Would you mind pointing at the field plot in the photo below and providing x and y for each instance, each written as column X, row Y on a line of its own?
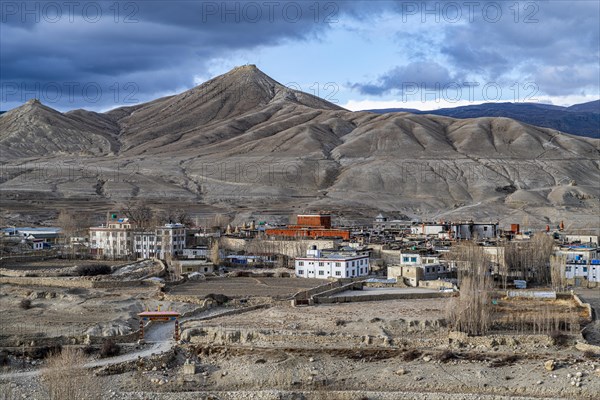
column 539, row 316
column 359, row 317
column 54, row 264
column 247, row 287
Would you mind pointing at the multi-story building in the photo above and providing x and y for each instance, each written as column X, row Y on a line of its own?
column 582, row 263
column 333, row 265
column 165, row 241
column 113, row 240
column 415, row 267
column 120, row 239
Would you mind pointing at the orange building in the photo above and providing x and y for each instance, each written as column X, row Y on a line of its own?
column 311, row 226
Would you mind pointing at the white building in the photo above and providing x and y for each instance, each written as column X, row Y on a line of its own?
column 582, row 262
column 115, row 240
column 428, row 229
column 320, row 266
column 166, row 240
column 196, row 252
column 457, row 230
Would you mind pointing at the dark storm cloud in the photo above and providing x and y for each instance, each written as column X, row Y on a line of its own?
column 158, row 46
column 554, row 44
column 136, row 50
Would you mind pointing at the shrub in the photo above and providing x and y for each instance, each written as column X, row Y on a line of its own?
column 590, row 355
column 92, row 270
column 88, row 349
column 219, row 298
column 446, row 356
column 504, row 361
column 411, row 355
column 25, row 304
column 109, row 349
column 559, row 338
column 44, row 351
column 340, row 322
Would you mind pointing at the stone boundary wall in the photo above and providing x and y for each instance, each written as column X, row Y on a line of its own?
column 339, row 289
column 492, row 340
column 234, row 311
column 74, row 282
column 380, row 297
column 590, row 312
column 252, row 336
column 584, row 347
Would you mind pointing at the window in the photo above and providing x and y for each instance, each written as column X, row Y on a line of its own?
column 338, row 273
column 584, row 269
column 321, row 264
column 300, row 272
column 337, row 264
column 321, row 272
column 300, row 263
column 353, row 263
column 404, row 259
column 413, row 259
column 485, row 228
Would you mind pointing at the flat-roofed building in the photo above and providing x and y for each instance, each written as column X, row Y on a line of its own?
column 333, row 265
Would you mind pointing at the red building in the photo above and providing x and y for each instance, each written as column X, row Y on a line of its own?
column 311, row 226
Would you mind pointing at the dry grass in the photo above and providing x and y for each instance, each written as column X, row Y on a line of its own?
column 66, row 378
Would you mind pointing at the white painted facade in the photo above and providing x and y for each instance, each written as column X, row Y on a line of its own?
column 112, row 241
column 166, row 240
column 427, row 229
column 581, row 262
column 316, row 265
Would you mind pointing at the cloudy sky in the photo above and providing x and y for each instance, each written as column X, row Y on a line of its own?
column 359, row 54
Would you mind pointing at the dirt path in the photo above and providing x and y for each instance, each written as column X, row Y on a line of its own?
column 159, row 336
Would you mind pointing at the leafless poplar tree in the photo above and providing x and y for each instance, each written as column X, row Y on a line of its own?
column 471, row 311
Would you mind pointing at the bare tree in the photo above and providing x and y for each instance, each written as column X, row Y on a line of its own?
column 215, row 257
column 471, row 311
column 219, row 220
column 66, row 377
column 72, row 225
column 179, row 216
column 558, row 265
column 140, row 214
column 531, row 259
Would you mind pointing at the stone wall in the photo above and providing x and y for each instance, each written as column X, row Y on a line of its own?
column 460, row 339
column 380, row 297
column 290, row 248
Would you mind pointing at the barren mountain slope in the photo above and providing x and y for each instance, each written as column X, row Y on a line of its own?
column 242, row 141
column 36, row 130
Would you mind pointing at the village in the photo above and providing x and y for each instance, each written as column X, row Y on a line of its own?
column 223, row 309
column 395, row 249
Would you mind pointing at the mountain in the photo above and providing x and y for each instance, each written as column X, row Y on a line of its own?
column 34, row 129
column 591, row 106
column 580, row 119
column 246, row 144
